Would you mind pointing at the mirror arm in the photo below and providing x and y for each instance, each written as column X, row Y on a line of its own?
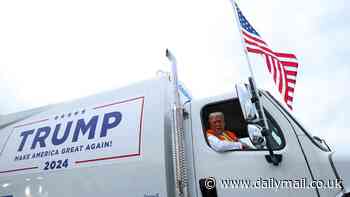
column 273, row 158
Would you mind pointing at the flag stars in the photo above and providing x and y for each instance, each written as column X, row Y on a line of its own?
column 244, row 23
column 70, row 114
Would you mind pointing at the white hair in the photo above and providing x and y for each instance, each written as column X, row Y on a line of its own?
column 214, row 114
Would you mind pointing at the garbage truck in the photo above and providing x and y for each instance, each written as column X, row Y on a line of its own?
column 149, row 139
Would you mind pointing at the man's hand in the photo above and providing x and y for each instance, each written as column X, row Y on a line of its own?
column 245, row 146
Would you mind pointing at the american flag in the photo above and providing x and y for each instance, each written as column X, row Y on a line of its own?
column 282, row 66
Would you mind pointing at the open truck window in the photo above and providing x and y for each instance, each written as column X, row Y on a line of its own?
column 234, row 122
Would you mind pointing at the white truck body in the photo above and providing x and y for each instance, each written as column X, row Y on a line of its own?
column 120, row 143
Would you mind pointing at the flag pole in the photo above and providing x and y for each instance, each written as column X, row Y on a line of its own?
column 252, row 77
column 271, row 158
column 233, row 2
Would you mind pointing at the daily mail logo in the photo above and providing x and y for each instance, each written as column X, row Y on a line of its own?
column 87, row 137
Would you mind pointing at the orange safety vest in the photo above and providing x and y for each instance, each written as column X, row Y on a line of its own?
column 226, row 135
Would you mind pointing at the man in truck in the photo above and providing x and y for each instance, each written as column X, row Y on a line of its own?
column 220, row 139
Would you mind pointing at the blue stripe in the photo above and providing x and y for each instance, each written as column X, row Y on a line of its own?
column 183, row 91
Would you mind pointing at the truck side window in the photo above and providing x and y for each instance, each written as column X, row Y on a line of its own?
column 225, row 129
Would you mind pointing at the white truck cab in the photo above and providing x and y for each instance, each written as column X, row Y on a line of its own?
column 124, row 143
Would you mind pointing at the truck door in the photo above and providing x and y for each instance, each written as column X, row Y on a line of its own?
column 247, row 172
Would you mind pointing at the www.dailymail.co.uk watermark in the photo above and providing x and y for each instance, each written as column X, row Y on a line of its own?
column 272, row 183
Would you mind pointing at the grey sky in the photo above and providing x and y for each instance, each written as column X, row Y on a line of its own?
column 56, row 51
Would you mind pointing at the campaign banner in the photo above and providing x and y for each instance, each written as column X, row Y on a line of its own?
column 95, row 135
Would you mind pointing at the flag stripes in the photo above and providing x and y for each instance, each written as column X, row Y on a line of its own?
column 283, row 67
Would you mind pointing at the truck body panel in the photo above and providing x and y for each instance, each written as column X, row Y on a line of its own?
column 111, row 142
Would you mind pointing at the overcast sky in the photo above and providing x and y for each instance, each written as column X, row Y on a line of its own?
column 53, row 51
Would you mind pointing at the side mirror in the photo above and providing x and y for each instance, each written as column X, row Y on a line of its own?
column 245, row 99
column 256, row 136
